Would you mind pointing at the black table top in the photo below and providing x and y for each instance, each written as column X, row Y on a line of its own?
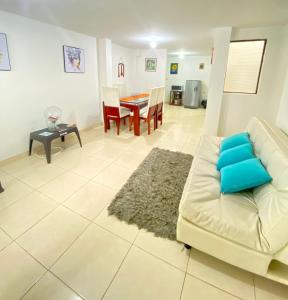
column 62, row 129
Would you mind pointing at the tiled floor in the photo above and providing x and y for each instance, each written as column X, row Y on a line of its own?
column 58, row 242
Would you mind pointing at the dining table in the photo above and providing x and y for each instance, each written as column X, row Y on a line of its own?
column 135, row 103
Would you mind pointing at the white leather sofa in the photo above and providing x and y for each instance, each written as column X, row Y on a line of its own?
column 247, row 229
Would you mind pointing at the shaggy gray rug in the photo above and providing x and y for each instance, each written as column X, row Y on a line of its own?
column 151, row 196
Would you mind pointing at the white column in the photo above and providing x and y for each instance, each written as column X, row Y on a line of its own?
column 217, row 77
column 105, row 62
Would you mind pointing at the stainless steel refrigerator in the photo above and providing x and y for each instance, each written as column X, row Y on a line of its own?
column 192, row 93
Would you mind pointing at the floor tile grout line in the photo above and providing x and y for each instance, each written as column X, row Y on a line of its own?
column 111, row 232
column 68, row 286
column 36, row 223
column 116, row 273
column 59, row 204
column 71, row 244
column 49, row 268
column 215, row 286
column 159, row 258
column 255, row 297
column 34, row 284
column 185, row 274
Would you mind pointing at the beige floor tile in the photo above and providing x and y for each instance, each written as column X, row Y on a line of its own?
column 111, row 150
column 130, row 159
column 48, row 239
column 120, row 228
column 50, row 288
column 143, row 276
column 69, row 158
column 18, row 272
column 23, row 214
column 90, row 166
column 227, row 277
column 197, row 289
column 266, row 289
column 90, row 200
column 5, row 240
column 39, row 175
column 21, row 165
column 92, row 261
column 113, row 176
column 170, row 251
column 89, row 148
column 14, row 190
column 63, row 186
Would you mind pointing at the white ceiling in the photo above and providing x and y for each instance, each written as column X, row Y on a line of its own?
column 175, row 24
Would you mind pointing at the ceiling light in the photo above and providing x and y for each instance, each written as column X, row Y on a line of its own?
column 181, row 55
column 153, row 45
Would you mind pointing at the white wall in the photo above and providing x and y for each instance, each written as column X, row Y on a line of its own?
column 136, row 78
column 282, row 116
column 37, row 80
column 128, row 57
column 188, row 68
column 147, row 80
column 237, row 109
column 221, row 41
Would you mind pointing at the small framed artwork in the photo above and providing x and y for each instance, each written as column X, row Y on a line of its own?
column 201, row 66
column 74, row 60
column 4, row 54
column 150, row 64
column 174, row 68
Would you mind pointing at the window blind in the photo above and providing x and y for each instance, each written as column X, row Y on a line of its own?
column 244, row 66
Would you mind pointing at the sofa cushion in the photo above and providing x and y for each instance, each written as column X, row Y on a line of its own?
column 235, row 155
column 234, row 141
column 234, row 217
column 271, row 146
column 243, row 175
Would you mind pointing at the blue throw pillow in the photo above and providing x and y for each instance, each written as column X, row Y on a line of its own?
column 243, row 175
column 235, row 155
column 234, row 140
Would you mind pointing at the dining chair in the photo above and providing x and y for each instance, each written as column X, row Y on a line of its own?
column 112, row 109
column 160, row 101
column 149, row 112
column 122, row 89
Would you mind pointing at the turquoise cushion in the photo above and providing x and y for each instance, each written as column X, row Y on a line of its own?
column 234, row 140
column 235, row 155
column 243, row 175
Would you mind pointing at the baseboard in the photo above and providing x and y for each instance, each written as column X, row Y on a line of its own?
column 25, row 154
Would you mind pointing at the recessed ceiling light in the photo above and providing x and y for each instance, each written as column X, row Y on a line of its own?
column 153, row 44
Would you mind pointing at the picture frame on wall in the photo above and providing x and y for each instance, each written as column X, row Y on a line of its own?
column 74, row 59
column 150, row 64
column 174, row 68
column 4, row 54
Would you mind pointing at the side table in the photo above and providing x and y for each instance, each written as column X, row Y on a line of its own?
column 46, row 136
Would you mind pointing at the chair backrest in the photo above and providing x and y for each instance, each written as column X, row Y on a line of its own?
column 153, row 97
column 161, row 94
column 111, row 96
column 122, row 89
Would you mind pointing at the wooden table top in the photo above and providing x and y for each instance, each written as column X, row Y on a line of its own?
column 134, row 98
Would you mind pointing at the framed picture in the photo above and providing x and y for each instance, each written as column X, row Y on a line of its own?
column 4, row 54
column 74, row 60
column 150, row 64
column 174, row 68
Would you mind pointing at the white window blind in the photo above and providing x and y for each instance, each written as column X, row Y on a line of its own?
column 244, row 66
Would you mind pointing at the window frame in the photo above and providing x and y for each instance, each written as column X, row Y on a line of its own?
column 260, row 68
